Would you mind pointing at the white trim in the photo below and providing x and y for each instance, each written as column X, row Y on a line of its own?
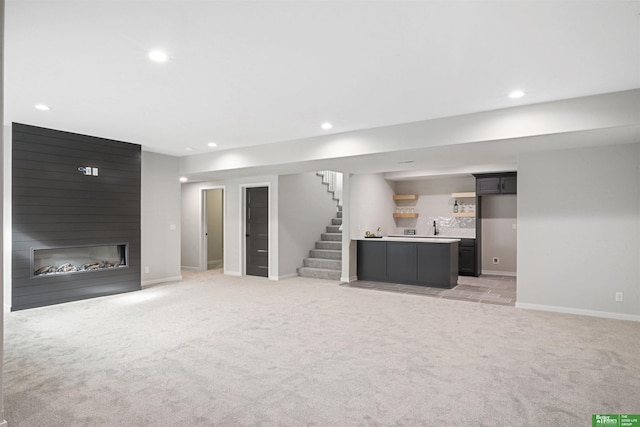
column 287, row 276
column 231, row 273
column 348, row 279
column 500, row 273
column 579, row 311
column 188, row 268
column 163, row 280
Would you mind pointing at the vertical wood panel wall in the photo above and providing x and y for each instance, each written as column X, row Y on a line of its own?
column 55, row 205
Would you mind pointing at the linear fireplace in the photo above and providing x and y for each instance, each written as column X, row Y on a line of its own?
column 67, row 260
column 75, row 235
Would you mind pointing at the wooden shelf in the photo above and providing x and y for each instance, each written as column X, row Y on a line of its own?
column 405, row 215
column 463, row 195
column 405, row 197
column 464, row 214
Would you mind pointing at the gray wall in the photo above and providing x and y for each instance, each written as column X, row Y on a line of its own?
column 579, row 230
column 499, row 234
column 371, row 204
column 160, row 218
column 192, row 223
column 191, row 226
column 306, row 208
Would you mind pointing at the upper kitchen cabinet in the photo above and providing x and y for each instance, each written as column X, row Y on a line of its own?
column 496, row 183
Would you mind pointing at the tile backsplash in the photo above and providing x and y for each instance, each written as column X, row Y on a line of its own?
column 447, row 227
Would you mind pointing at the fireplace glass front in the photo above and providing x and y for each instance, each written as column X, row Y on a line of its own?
column 78, row 259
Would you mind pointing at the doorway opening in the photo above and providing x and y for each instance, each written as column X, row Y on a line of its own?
column 213, row 244
column 499, row 235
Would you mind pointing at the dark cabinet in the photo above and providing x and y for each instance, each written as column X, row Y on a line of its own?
column 432, row 263
column 419, row 263
column 401, row 262
column 372, row 260
column 467, row 258
column 506, row 183
column 509, row 185
column 488, row 185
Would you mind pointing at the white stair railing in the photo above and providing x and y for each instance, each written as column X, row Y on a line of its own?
column 333, row 181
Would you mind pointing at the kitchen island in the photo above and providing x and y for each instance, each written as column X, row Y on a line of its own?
column 409, row 260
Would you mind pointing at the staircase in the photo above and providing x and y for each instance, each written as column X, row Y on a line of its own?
column 325, row 261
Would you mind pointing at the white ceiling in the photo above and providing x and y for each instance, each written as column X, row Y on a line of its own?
column 245, row 73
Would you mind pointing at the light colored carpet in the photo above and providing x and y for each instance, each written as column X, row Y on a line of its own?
column 214, row 350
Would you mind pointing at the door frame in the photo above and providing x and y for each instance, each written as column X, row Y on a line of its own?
column 203, row 226
column 243, row 226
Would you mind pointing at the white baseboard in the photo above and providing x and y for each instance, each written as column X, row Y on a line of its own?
column 348, row 279
column 579, row 311
column 187, row 268
column 146, row 283
column 500, row 273
column 231, row 273
column 287, row 276
column 213, row 264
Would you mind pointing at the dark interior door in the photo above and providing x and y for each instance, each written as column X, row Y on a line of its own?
column 257, row 231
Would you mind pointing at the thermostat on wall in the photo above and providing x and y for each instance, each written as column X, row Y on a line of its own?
column 88, row 170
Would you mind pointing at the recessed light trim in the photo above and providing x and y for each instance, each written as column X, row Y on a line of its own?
column 212, row 144
column 326, row 126
column 158, row 55
column 42, row 107
column 184, row 179
column 189, row 149
column 515, row 94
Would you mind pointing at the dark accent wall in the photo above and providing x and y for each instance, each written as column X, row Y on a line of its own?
column 55, row 205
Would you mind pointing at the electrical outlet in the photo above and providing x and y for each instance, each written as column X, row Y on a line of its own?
column 496, row 260
column 146, row 269
column 619, row 296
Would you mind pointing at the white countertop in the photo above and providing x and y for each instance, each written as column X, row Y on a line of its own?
column 430, row 236
column 417, row 239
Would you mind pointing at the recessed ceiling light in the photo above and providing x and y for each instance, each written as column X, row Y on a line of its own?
column 326, row 126
column 183, row 179
column 516, row 94
column 158, row 56
column 212, row 144
column 42, row 107
column 189, row 149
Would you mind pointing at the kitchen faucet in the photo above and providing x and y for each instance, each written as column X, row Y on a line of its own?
column 435, row 229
